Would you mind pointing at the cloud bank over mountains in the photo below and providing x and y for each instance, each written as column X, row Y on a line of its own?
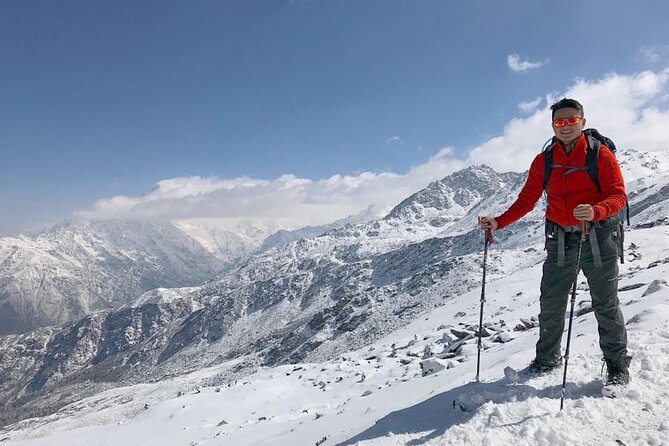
column 631, row 109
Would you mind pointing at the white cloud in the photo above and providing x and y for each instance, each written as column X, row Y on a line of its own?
column 628, row 109
column 653, row 54
column 393, row 140
column 649, row 54
column 293, row 201
column 631, row 109
column 514, row 62
column 530, row 106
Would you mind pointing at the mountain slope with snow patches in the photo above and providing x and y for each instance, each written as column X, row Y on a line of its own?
column 306, row 300
column 380, row 394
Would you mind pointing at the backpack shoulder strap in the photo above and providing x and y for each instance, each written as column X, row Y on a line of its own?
column 591, row 159
column 548, row 161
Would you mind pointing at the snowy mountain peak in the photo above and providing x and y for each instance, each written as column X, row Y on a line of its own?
column 447, row 200
column 636, row 164
column 476, row 177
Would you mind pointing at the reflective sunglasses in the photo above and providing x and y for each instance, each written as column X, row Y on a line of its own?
column 572, row 120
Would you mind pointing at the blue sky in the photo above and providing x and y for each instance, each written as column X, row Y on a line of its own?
column 108, row 99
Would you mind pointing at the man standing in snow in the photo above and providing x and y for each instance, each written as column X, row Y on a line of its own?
column 572, row 198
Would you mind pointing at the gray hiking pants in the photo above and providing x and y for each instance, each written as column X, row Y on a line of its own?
column 556, row 284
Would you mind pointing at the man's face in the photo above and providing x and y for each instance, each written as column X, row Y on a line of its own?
column 568, row 133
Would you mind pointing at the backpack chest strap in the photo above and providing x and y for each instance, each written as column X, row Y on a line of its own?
column 590, row 164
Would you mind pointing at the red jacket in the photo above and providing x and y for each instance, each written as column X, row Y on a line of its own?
column 565, row 192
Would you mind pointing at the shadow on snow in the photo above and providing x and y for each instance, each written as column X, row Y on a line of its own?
column 436, row 415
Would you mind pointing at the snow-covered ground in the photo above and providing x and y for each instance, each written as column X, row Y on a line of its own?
column 379, row 396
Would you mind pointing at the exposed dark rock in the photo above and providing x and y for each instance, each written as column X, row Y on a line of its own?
column 631, row 287
column 655, row 286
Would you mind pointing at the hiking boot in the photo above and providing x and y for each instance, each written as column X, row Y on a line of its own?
column 617, row 379
column 534, row 369
column 618, row 373
column 537, row 367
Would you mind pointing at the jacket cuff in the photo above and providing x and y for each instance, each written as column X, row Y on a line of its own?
column 599, row 212
column 501, row 222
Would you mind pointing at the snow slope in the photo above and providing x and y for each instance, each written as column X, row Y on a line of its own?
column 378, row 395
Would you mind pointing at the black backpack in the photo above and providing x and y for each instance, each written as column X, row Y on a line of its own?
column 594, row 139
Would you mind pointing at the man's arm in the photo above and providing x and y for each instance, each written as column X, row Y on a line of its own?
column 527, row 198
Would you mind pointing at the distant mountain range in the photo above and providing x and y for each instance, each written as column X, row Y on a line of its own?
column 73, row 269
column 76, row 268
column 305, row 300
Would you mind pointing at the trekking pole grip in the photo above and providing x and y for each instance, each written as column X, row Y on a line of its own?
column 488, row 237
column 583, row 225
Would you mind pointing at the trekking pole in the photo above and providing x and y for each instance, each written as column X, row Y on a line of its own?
column 584, row 230
column 488, row 240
